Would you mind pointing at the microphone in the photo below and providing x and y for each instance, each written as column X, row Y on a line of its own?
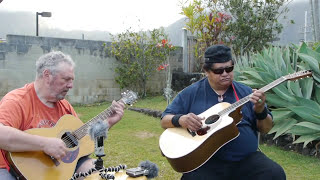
column 98, row 132
column 145, row 168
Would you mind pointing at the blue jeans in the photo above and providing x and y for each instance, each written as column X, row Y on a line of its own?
column 5, row 175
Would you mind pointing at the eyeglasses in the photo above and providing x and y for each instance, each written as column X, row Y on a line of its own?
column 221, row 70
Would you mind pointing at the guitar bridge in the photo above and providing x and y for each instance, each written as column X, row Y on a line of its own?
column 55, row 161
column 191, row 133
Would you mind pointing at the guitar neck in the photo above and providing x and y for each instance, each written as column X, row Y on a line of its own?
column 244, row 100
column 83, row 130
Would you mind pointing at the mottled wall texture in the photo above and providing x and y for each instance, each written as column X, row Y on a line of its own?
column 94, row 68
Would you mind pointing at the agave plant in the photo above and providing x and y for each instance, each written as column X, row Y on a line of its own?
column 295, row 105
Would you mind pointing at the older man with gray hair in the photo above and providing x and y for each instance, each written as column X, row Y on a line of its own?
column 41, row 104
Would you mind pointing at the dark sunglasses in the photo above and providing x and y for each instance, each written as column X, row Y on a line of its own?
column 221, row 70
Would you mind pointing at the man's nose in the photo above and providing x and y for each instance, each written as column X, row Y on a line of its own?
column 70, row 85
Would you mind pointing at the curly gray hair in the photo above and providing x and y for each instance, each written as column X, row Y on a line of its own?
column 51, row 61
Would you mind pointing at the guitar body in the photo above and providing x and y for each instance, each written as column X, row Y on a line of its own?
column 38, row 165
column 186, row 153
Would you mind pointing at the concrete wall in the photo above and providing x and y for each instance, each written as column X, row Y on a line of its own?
column 94, row 68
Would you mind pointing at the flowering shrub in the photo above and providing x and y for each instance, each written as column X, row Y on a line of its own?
column 166, row 48
column 138, row 54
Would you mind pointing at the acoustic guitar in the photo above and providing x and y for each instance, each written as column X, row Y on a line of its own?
column 187, row 151
column 37, row 165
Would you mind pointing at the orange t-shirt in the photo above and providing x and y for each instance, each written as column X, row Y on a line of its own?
column 22, row 109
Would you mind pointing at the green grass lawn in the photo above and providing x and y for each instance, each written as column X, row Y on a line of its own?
column 135, row 138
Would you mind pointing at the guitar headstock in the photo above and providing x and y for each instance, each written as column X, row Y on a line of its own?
column 129, row 97
column 298, row 75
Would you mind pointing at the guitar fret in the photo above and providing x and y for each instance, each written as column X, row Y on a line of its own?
column 247, row 98
column 83, row 130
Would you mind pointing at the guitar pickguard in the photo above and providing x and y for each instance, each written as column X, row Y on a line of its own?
column 71, row 156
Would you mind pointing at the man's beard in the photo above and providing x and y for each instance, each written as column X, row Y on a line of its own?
column 60, row 96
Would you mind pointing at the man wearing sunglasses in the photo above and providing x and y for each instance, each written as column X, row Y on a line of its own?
column 238, row 159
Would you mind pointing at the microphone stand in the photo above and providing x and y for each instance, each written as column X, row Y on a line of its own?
column 99, row 152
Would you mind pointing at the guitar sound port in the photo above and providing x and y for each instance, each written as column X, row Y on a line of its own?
column 212, row 119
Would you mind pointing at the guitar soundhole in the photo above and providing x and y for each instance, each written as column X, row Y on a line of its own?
column 69, row 140
column 212, row 119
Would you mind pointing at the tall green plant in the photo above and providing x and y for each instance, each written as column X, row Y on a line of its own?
column 295, row 105
column 138, row 57
column 207, row 25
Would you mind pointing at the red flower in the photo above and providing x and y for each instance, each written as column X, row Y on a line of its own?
column 162, row 67
column 164, row 41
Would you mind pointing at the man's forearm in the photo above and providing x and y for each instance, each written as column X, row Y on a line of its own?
column 265, row 125
column 14, row 140
column 166, row 121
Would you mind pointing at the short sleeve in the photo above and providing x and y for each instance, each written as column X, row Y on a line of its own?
column 11, row 113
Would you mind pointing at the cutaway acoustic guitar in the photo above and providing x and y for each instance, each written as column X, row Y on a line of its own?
column 187, row 151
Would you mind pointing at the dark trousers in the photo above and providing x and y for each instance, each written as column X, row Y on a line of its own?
column 255, row 167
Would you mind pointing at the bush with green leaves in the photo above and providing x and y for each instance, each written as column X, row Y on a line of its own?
column 295, row 104
column 139, row 55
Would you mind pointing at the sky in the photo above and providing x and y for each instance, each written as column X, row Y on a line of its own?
column 114, row 16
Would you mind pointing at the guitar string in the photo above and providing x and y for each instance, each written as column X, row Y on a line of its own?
column 246, row 99
column 83, row 130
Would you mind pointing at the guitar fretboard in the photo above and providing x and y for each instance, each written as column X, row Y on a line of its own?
column 83, row 130
column 244, row 100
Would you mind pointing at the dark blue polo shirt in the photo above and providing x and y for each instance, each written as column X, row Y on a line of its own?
column 199, row 97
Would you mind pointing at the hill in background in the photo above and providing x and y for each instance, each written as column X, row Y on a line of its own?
column 23, row 23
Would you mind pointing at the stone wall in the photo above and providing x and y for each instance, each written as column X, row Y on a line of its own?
column 180, row 80
column 94, row 71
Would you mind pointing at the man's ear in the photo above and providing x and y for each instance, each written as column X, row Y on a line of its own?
column 46, row 74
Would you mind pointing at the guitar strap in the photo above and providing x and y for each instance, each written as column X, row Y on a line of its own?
column 235, row 93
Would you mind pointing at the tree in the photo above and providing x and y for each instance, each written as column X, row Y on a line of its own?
column 138, row 57
column 207, row 25
column 247, row 25
column 255, row 22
